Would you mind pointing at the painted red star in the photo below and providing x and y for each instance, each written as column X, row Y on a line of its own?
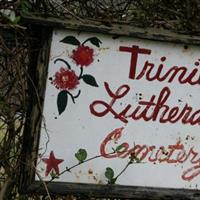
column 52, row 163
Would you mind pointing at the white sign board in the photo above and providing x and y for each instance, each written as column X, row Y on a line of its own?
column 120, row 100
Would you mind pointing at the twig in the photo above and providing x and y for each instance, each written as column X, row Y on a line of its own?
column 43, row 182
column 68, row 11
column 4, row 188
column 5, row 48
column 40, row 108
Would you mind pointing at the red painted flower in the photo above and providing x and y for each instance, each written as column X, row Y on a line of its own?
column 65, row 79
column 83, row 55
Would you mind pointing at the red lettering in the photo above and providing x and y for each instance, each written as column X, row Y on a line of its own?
column 151, row 110
column 151, row 73
column 170, row 155
column 173, row 148
column 114, row 135
column 191, row 173
column 121, row 92
column 164, row 95
column 134, row 50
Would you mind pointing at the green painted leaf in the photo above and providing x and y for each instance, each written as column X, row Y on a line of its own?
column 112, row 181
column 118, row 148
column 90, row 80
column 54, row 175
column 95, row 41
column 109, row 173
column 137, row 160
column 81, row 155
column 62, row 101
column 133, row 158
column 70, row 40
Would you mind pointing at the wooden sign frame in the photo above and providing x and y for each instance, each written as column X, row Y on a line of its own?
column 38, row 71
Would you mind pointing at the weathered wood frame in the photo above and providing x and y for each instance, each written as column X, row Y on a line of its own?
column 38, row 70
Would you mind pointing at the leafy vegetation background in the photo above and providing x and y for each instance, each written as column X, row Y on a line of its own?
column 16, row 53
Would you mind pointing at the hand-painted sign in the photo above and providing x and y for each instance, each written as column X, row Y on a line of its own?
column 121, row 109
